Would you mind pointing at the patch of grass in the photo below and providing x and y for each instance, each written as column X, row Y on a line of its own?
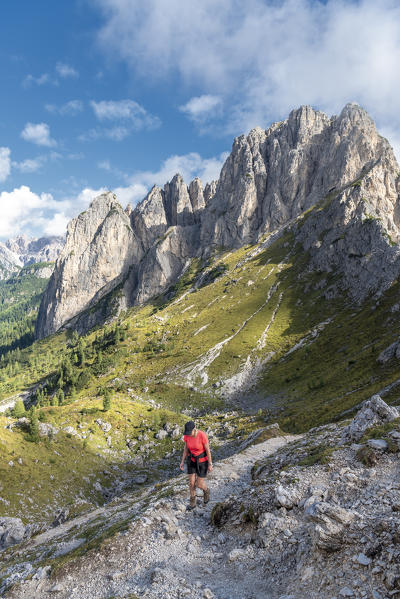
column 318, row 455
column 367, row 456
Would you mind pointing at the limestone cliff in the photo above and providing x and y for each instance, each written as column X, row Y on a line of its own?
column 339, row 169
column 96, row 256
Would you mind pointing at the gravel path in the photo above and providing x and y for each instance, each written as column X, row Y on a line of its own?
column 171, row 552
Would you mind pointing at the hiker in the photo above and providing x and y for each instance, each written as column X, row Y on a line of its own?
column 198, row 460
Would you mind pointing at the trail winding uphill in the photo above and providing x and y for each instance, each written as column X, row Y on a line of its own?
column 170, row 552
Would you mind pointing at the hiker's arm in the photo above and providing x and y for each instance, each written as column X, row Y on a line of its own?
column 185, row 452
column 208, row 452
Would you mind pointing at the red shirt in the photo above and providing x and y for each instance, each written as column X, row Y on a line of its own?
column 196, row 444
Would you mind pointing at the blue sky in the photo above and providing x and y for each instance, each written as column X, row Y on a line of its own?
column 121, row 94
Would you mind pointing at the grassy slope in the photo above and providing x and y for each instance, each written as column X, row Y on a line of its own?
column 330, row 373
column 19, row 301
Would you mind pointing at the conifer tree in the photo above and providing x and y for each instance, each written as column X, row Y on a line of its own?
column 107, row 400
column 34, row 427
column 19, row 409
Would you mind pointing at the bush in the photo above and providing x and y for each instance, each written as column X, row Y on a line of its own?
column 84, row 380
column 367, row 456
column 18, row 410
column 220, row 514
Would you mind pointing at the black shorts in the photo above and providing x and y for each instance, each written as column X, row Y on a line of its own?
column 201, row 471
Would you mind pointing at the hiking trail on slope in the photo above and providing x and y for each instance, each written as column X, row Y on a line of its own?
column 169, row 552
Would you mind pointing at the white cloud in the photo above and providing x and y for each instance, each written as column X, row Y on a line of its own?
column 65, row 70
column 125, row 110
column 41, row 80
column 202, row 108
column 22, row 210
column 5, row 163
column 71, row 108
column 57, row 225
column 29, row 165
column 265, row 57
column 33, row 165
column 38, row 134
column 113, row 133
column 105, row 165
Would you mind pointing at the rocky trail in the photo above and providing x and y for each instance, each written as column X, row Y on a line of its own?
column 168, row 551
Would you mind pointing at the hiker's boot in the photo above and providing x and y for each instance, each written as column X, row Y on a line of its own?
column 206, row 496
column 192, row 503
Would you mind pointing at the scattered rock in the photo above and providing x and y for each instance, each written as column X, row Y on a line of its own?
column 60, row 517
column 105, row 426
column 157, row 576
column 70, row 430
column 286, row 497
column 363, row 559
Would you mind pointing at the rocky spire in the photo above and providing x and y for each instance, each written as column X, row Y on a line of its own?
column 97, row 254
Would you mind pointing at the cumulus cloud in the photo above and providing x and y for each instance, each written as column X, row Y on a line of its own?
column 125, row 110
column 22, row 210
column 36, row 214
column 71, row 108
column 5, row 163
column 202, row 108
column 65, row 70
column 38, row 134
column 265, row 57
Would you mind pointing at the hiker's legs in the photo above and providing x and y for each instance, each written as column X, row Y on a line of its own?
column 192, row 485
column 201, row 483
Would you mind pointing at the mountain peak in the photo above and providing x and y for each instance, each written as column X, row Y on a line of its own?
column 269, row 179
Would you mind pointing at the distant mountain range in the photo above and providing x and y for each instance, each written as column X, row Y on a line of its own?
column 20, row 251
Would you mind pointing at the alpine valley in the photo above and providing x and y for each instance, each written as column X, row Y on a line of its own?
column 264, row 305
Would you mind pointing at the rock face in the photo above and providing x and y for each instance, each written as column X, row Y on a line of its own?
column 271, row 178
column 373, row 412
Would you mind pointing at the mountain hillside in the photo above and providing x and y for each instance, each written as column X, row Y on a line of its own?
column 263, row 306
column 115, row 259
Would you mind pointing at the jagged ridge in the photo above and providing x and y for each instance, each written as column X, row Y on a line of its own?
column 270, row 179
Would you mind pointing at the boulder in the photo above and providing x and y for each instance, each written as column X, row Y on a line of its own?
column 379, row 444
column 330, row 523
column 176, row 433
column 373, row 412
column 47, row 430
column 12, row 531
column 60, row 517
column 393, row 351
column 287, row 497
column 162, row 434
